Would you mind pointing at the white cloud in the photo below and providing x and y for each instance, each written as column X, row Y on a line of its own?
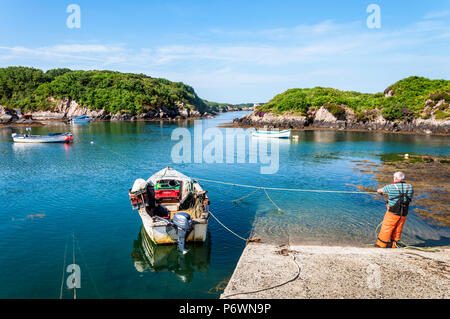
column 325, row 41
column 303, row 55
column 82, row 53
column 436, row 15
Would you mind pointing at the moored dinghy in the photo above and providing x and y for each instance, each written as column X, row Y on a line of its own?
column 272, row 134
column 81, row 120
column 173, row 207
column 50, row 138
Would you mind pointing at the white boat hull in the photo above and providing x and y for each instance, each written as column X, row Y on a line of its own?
column 42, row 139
column 157, row 231
column 272, row 134
column 80, row 121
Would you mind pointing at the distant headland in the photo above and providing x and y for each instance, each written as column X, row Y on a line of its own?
column 29, row 95
column 414, row 104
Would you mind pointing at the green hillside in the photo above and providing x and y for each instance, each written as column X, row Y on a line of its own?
column 408, row 100
column 30, row 89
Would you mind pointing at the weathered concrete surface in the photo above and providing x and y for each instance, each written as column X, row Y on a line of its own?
column 340, row 272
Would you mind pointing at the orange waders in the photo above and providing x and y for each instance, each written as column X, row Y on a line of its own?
column 391, row 230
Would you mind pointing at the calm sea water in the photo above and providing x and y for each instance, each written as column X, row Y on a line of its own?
column 64, row 202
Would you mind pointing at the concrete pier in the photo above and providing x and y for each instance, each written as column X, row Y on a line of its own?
column 339, row 272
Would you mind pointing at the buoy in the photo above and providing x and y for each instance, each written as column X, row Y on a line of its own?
column 92, row 142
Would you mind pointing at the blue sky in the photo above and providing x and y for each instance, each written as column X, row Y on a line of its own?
column 235, row 51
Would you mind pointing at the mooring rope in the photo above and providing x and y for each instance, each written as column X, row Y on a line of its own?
column 246, row 196
column 257, row 188
column 284, row 189
column 63, row 270
column 279, row 209
column 243, row 185
column 74, row 278
column 87, row 267
column 244, row 239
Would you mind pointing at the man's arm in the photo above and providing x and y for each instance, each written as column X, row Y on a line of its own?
column 380, row 190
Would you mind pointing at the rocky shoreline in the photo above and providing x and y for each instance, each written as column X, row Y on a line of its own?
column 67, row 109
column 322, row 118
column 431, row 194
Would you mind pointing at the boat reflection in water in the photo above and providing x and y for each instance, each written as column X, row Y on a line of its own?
column 160, row 258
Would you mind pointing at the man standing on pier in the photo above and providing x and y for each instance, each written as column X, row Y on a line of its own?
column 399, row 196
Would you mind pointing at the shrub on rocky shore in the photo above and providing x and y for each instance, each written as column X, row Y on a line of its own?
column 414, row 104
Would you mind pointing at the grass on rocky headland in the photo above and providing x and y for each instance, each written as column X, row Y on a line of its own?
column 31, row 89
column 413, row 97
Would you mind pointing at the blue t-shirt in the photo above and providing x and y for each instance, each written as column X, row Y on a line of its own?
column 392, row 191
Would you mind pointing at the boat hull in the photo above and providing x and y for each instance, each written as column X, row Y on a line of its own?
column 272, row 134
column 159, row 231
column 80, row 121
column 42, row 139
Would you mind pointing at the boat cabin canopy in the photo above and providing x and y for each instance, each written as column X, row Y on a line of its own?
column 169, row 183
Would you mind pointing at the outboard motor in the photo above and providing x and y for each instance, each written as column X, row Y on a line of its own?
column 183, row 222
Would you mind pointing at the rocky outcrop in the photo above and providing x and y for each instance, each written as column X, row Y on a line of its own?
column 47, row 115
column 347, row 119
column 235, row 108
column 324, row 118
column 66, row 109
column 261, row 119
column 7, row 115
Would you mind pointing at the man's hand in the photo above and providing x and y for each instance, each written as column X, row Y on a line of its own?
column 380, row 191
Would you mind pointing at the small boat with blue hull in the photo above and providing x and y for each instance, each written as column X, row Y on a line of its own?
column 50, row 138
column 81, row 120
column 272, row 134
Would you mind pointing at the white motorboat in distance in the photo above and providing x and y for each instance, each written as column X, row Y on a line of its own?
column 173, row 207
column 50, row 138
column 81, row 120
column 272, row 134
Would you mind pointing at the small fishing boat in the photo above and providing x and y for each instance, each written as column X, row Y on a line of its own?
column 81, row 120
column 50, row 138
column 173, row 207
column 272, row 134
